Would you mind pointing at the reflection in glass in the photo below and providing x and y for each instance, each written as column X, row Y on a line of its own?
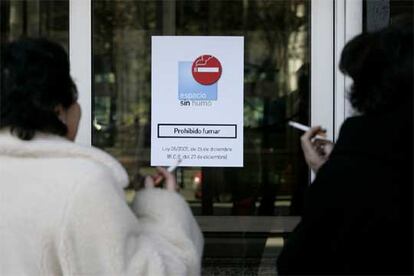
column 35, row 18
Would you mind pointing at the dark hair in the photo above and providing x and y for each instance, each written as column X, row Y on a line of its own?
column 381, row 67
column 35, row 78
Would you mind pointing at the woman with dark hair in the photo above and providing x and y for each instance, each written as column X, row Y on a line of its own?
column 35, row 87
column 358, row 215
column 62, row 205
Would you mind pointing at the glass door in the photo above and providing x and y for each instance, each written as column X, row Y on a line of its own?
column 289, row 74
column 277, row 89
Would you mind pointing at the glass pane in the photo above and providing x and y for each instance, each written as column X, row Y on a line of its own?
column 276, row 81
column 35, row 18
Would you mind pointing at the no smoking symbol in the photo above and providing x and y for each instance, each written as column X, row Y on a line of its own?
column 206, row 69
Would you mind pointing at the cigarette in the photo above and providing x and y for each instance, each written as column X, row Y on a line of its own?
column 173, row 167
column 305, row 128
column 299, row 126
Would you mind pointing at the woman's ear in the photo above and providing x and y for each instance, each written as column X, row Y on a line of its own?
column 61, row 113
column 70, row 117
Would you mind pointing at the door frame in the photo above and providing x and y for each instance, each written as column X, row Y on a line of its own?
column 80, row 56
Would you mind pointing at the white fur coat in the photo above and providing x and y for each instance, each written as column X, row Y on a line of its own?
column 63, row 212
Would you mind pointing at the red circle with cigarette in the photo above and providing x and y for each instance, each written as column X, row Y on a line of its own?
column 206, row 69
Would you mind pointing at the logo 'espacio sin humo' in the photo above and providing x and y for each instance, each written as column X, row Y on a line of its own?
column 197, row 81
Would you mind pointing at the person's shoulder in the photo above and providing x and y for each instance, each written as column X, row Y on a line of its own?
column 84, row 168
column 377, row 137
column 350, row 130
column 101, row 164
column 397, row 118
column 96, row 170
column 86, row 163
column 353, row 123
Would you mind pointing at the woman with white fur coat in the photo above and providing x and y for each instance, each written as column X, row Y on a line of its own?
column 62, row 205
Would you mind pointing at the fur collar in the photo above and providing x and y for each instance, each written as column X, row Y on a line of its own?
column 47, row 145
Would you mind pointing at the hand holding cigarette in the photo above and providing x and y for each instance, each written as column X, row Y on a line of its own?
column 316, row 147
column 151, row 181
column 321, row 135
column 164, row 174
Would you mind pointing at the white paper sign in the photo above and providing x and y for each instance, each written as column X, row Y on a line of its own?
column 197, row 101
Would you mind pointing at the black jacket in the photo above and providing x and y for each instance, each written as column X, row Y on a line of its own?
column 358, row 216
